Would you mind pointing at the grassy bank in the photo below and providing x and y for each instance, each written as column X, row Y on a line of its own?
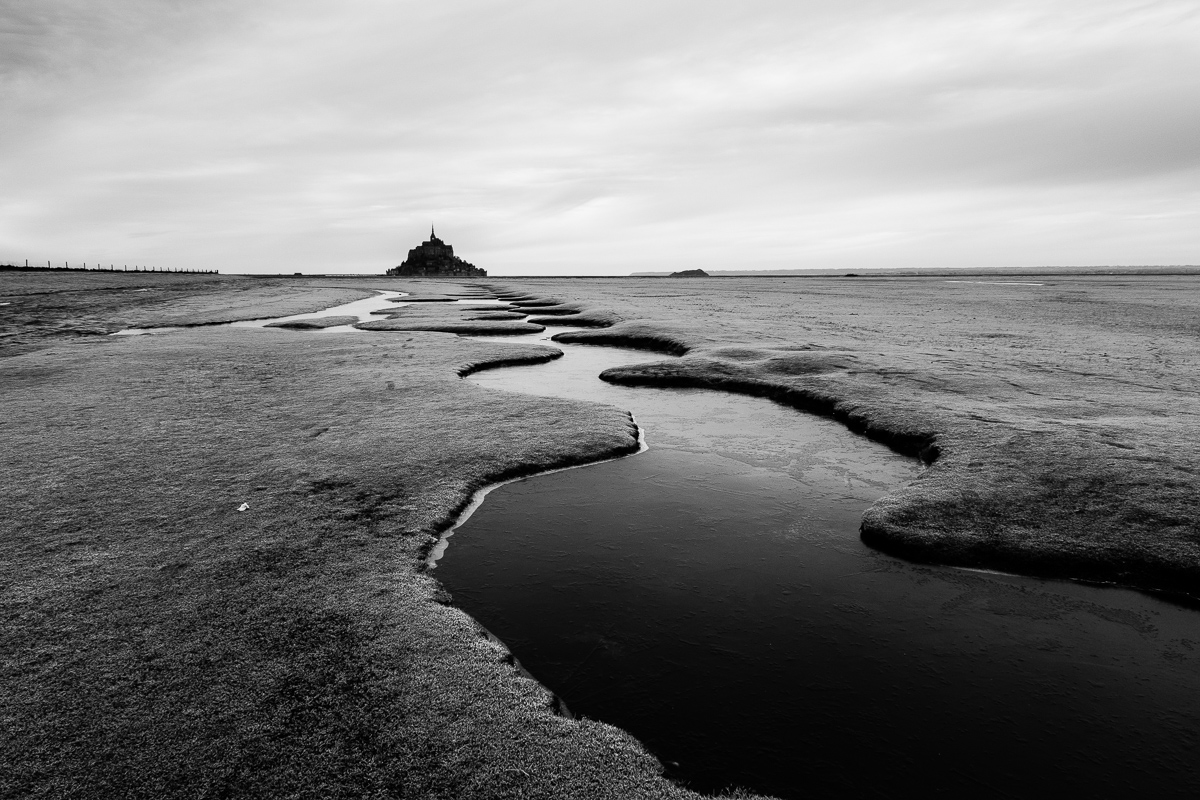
column 447, row 318
column 158, row 642
column 314, row 323
column 1060, row 414
column 39, row 309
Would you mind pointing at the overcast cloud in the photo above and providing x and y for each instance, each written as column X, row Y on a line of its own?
column 546, row 137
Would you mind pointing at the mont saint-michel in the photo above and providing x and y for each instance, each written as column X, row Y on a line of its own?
column 435, row 258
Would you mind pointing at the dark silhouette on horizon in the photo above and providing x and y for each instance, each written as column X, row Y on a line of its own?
column 435, row 258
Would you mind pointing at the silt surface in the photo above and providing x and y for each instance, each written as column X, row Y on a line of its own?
column 712, row 596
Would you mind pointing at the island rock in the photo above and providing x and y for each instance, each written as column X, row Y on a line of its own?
column 435, row 258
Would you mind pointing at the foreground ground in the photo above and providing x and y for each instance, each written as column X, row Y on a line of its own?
column 159, row 642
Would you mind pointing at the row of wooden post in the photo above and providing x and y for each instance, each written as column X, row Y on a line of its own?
column 136, row 268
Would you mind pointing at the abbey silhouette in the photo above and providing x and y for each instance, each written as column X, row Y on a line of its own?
column 435, row 258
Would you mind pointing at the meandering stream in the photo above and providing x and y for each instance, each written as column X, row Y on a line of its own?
column 711, row 596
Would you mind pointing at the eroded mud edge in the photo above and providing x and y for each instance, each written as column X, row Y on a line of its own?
column 920, row 445
column 1129, row 567
column 435, row 546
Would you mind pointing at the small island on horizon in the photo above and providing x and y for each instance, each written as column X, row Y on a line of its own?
column 434, row 258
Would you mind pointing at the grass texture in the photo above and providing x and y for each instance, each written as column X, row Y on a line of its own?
column 1059, row 415
column 497, row 315
column 43, row 308
column 158, row 642
column 460, row 319
column 592, row 318
column 315, row 323
column 471, row 327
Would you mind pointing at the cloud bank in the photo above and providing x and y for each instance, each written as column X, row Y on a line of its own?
column 545, row 138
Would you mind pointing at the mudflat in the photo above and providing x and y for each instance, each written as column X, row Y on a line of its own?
column 1059, row 414
column 159, row 642
column 38, row 308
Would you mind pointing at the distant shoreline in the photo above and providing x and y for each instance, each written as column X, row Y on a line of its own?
column 1181, row 270
column 941, row 272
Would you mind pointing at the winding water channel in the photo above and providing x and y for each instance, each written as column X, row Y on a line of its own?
column 711, row 596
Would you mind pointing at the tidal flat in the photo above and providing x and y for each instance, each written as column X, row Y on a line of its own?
column 158, row 642
column 1059, row 413
column 713, row 597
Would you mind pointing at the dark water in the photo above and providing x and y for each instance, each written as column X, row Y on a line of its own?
column 711, row 596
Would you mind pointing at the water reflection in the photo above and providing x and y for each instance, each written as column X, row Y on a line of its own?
column 363, row 309
column 712, row 597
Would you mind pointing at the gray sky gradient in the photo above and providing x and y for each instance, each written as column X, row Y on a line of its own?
column 554, row 138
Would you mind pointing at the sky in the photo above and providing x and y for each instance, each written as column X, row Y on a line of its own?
column 601, row 138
